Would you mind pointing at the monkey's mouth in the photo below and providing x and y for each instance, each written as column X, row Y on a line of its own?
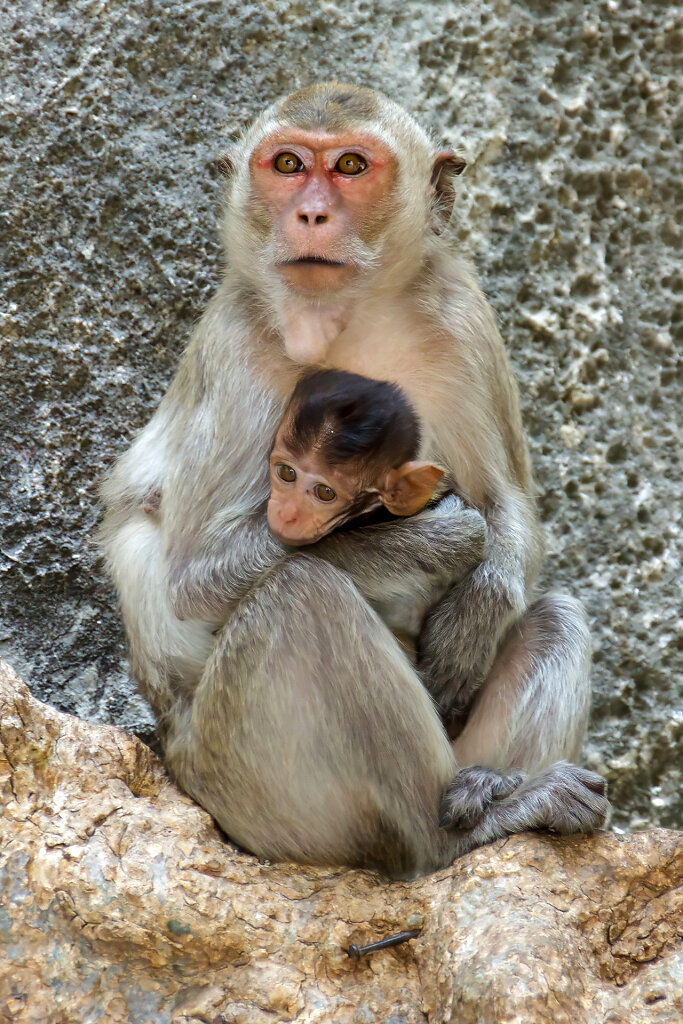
column 307, row 261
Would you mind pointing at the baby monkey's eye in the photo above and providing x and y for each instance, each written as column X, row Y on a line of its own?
column 350, row 163
column 285, row 472
column 324, row 492
column 288, row 163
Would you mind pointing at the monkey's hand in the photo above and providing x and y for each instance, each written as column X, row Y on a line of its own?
column 460, row 636
column 411, row 555
column 207, row 584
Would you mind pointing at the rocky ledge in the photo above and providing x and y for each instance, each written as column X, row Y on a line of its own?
column 122, row 902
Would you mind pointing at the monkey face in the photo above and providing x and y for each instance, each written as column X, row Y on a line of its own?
column 334, row 190
column 307, row 499
column 326, row 198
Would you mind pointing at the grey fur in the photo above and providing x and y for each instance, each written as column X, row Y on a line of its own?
column 285, row 705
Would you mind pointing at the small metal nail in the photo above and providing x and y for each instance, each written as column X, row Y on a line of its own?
column 356, row 952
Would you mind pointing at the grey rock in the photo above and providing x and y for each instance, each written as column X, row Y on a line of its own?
column 111, row 118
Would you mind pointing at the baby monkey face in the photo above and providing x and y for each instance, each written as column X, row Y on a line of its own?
column 308, row 499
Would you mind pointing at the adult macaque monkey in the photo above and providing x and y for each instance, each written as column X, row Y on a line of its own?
column 285, row 706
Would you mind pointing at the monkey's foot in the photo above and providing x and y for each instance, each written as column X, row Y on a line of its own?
column 475, row 788
column 564, row 798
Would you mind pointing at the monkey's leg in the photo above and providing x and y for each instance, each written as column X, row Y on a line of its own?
column 530, row 714
column 533, row 708
column 463, row 631
column 310, row 737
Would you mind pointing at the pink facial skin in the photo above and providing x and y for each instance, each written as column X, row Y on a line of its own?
column 317, row 210
column 296, row 514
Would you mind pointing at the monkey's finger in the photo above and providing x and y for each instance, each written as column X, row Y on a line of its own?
column 505, row 785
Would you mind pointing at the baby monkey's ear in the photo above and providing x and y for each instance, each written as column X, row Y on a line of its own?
column 408, row 489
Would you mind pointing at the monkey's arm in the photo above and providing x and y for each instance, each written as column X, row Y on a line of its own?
column 224, row 569
column 479, row 437
column 441, row 544
column 461, row 633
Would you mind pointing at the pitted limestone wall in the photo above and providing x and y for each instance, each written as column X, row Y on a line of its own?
column 111, row 116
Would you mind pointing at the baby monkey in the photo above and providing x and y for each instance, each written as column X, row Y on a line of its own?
column 346, row 446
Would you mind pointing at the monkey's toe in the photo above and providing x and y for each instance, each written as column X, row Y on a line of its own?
column 593, row 781
column 465, row 802
column 579, row 800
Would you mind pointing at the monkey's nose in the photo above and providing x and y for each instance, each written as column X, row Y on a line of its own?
column 314, row 218
column 288, row 515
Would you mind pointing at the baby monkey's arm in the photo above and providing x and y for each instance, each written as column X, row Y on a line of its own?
column 441, row 544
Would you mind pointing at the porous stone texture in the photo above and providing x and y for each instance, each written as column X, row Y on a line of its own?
column 111, row 117
column 121, row 902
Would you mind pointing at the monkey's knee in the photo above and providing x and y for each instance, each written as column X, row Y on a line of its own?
column 325, row 589
column 557, row 640
column 309, row 570
column 560, row 619
column 533, row 709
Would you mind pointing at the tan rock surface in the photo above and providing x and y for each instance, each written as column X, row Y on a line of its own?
column 121, row 902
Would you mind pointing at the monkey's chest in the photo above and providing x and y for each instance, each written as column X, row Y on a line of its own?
column 388, row 346
column 404, row 617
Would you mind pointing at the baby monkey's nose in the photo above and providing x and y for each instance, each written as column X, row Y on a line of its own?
column 288, row 514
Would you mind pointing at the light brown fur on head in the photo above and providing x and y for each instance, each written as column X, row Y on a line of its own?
column 333, row 106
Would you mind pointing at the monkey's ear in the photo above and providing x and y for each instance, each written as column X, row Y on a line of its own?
column 225, row 163
column 446, row 167
column 408, row 489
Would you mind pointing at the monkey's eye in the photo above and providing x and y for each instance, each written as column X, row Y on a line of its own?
column 350, row 163
column 288, row 163
column 324, row 493
column 285, row 472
